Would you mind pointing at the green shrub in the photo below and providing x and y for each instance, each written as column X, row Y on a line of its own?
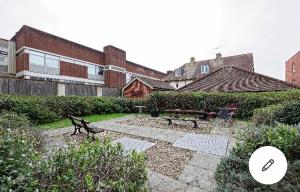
column 232, row 173
column 246, row 102
column 41, row 109
column 287, row 113
column 18, row 155
column 94, row 166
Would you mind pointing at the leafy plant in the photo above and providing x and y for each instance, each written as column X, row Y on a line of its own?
column 94, row 166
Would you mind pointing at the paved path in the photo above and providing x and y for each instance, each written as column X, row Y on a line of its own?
column 198, row 174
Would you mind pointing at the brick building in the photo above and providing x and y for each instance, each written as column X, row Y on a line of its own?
column 292, row 69
column 34, row 54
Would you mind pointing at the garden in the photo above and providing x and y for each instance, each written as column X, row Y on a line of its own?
column 37, row 150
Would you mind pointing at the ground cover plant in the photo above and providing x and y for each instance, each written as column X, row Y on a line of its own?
column 93, row 166
column 232, row 173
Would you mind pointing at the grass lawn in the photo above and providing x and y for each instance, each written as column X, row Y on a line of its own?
column 91, row 118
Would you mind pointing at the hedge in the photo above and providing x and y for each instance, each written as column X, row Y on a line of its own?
column 46, row 109
column 246, row 101
column 232, row 173
column 288, row 113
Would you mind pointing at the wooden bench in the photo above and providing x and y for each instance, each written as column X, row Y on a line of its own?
column 195, row 121
column 84, row 124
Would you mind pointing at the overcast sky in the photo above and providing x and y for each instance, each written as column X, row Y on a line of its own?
column 164, row 34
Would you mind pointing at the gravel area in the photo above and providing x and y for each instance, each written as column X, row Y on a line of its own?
column 163, row 157
column 148, row 121
column 167, row 160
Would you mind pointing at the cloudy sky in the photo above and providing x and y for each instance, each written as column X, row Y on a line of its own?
column 164, row 34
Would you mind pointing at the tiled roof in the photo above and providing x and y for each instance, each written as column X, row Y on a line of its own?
column 233, row 79
column 155, row 84
column 192, row 70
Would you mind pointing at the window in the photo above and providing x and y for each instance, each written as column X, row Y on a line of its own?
column 91, row 71
column 294, row 68
column 204, row 69
column 36, row 62
column 52, row 65
column 3, row 63
column 99, row 70
column 43, row 63
column 128, row 77
column 178, row 72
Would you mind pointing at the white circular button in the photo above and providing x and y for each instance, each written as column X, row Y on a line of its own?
column 267, row 165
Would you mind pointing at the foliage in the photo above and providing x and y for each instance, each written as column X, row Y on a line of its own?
column 246, row 102
column 94, row 166
column 46, row 109
column 232, row 173
column 18, row 155
column 288, row 113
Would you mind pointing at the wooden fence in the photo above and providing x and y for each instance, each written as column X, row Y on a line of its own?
column 46, row 88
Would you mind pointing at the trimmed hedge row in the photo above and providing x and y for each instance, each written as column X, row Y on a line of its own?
column 41, row 109
column 288, row 113
column 246, row 102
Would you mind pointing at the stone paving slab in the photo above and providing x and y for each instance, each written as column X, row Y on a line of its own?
column 161, row 183
column 206, row 144
column 130, row 144
column 198, row 177
column 205, row 161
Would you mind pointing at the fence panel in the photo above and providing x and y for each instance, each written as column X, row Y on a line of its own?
column 27, row 87
column 111, row 92
column 81, row 90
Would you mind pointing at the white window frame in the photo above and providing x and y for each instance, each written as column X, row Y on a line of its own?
column 204, row 69
column 177, row 72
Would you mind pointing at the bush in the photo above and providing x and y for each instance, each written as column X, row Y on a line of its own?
column 246, row 102
column 232, row 173
column 46, row 109
column 287, row 113
column 18, row 155
column 94, row 166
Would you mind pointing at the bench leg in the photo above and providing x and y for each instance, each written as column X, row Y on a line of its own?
column 74, row 131
column 195, row 124
column 79, row 130
column 170, row 121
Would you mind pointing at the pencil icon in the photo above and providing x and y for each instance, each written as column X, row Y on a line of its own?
column 268, row 165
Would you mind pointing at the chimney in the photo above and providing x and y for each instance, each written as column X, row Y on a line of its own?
column 169, row 72
column 218, row 56
column 192, row 60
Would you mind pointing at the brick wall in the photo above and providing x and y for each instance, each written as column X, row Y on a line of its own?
column 114, row 79
column 135, row 68
column 289, row 75
column 22, row 62
column 114, row 56
column 34, row 38
column 73, row 70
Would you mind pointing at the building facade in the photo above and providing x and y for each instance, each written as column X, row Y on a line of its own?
column 189, row 72
column 39, row 55
column 292, row 69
